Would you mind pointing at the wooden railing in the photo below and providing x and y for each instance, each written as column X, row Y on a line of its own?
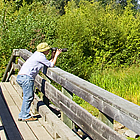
column 111, row 106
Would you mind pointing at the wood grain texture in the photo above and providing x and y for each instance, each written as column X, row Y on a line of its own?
column 110, row 104
column 9, row 125
column 77, row 114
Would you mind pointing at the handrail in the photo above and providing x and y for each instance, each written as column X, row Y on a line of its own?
column 12, row 59
column 110, row 104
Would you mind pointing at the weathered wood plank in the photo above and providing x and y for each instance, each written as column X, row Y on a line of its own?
column 50, row 121
column 22, row 127
column 89, row 91
column 85, row 89
column 86, row 119
column 109, row 103
column 64, row 117
column 8, row 123
column 13, row 94
column 2, row 133
column 39, row 131
column 112, row 105
column 17, row 88
column 12, row 58
column 25, row 54
column 35, row 127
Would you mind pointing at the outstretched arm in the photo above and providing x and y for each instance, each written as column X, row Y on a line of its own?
column 55, row 55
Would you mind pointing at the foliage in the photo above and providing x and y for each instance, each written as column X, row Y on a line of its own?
column 25, row 28
column 98, row 38
column 122, row 82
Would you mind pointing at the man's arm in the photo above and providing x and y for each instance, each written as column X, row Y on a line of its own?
column 55, row 55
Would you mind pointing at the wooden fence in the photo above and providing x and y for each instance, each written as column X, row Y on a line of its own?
column 110, row 105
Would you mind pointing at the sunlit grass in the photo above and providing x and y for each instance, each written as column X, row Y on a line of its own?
column 122, row 82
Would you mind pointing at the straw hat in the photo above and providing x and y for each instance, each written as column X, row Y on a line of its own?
column 42, row 47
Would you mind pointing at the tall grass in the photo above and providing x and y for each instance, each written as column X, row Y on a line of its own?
column 124, row 82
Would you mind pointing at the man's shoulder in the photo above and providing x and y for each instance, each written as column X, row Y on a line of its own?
column 38, row 56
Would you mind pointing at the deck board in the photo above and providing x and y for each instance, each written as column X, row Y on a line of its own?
column 7, row 120
column 2, row 132
column 30, row 130
column 23, row 128
column 13, row 94
column 36, row 127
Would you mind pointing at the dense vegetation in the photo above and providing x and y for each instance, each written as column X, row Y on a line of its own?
column 122, row 82
column 100, row 39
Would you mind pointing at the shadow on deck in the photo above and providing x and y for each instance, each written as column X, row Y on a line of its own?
column 46, row 128
column 11, row 128
column 8, row 127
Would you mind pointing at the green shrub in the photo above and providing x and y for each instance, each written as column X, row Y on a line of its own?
column 25, row 28
column 98, row 38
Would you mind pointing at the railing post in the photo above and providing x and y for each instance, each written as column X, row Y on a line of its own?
column 44, row 98
column 12, row 59
column 106, row 119
column 64, row 118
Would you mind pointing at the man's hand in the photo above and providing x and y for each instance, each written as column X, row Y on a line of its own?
column 55, row 55
column 58, row 51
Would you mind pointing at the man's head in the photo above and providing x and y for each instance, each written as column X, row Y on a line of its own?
column 43, row 47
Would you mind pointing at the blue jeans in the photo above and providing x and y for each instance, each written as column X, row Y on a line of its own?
column 27, row 84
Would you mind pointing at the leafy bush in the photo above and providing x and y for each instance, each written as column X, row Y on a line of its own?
column 98, row 38
column 25, row 28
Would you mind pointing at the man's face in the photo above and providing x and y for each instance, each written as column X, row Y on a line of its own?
column 46, row 52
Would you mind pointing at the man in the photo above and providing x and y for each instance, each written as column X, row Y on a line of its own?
column 27, row 74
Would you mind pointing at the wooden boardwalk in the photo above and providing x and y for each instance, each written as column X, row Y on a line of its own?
column 10, row 127
column 111, row 107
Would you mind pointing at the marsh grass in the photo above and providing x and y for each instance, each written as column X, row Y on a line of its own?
column 124, row 82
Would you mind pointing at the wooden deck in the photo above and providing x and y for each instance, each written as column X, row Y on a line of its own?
column 111, row 107
column 10, row 127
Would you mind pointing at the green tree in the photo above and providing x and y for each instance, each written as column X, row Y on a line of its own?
column 25, row 27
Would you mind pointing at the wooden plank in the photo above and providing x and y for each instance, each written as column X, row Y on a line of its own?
column 12, row 58
column 113, row 106
column 16, row 86
column 64, row 117
column 110, row 104
column 25, row 54
column 86, row 90
column 2, row 133
column 86, row 120
column 36, row 128
column 53, row 124
column 81, row 114
column 23, row 128
column 95, row 128
column 13, row 94
column 39, row 131
column 91, row 93
column 8, row 123
column 106, row 119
